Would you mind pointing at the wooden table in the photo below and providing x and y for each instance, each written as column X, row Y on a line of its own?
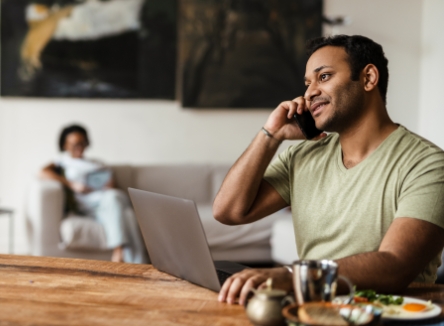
column 10, row 214
column 58, row 291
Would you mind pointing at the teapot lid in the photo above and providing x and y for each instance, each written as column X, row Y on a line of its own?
column 269, row 291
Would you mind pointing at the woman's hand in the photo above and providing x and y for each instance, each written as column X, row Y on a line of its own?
column 79, row 187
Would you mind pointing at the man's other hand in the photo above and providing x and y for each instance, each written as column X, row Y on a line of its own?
column 239, row 284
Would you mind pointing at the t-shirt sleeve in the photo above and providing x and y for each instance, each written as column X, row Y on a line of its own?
column 278, row 174
column 58, row 161
column 422, row 191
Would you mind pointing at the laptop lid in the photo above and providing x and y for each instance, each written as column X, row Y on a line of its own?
column 174, row 237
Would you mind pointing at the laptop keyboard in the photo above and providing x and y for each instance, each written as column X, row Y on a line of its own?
column 222, row 276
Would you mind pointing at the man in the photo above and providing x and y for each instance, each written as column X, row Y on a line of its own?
column 369, row 195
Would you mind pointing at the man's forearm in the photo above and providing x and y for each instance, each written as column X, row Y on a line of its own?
column 241, row 185
column 379, row 271
column 409, row 245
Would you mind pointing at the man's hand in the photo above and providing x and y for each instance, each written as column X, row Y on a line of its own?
column 281, row 123
column 239, row 284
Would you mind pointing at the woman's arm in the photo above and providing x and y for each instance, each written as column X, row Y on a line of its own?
column 49, row 172
column 111, row 183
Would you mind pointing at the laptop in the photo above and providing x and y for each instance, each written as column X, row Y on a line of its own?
column 176, row 241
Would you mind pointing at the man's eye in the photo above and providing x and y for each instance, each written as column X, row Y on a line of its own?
column 324, row 76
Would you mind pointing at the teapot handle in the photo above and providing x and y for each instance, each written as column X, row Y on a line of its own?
column 288, row 299
column 250, row 293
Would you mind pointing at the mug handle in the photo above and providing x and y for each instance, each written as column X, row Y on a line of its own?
column 350, row 287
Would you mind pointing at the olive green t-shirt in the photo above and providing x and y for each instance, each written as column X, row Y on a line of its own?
column 338, row 212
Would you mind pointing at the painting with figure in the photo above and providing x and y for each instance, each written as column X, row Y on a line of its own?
column 89, row 48
column 244, row 53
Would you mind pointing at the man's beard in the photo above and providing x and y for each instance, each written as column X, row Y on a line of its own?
column 348, row 107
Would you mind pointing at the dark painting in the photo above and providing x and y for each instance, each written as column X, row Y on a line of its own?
column 244, row 53
column 89, row 48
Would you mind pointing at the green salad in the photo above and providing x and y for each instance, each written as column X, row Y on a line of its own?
column 384, row 299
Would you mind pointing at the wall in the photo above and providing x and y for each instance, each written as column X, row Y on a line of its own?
column 396, row 25
column 133, row 132
column 140, row 132
column 431, row 113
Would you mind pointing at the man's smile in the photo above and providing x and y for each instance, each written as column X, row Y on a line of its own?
column 317, row 107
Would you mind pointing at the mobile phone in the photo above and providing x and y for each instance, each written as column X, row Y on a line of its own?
column 307, row 125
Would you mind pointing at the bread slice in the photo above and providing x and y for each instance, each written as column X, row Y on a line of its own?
column 320, row 313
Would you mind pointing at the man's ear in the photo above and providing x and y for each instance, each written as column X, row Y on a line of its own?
column 370, row 77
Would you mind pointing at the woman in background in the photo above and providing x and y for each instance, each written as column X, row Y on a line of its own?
column 106, row 205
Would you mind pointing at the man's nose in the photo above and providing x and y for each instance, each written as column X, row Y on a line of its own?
column 311, row 92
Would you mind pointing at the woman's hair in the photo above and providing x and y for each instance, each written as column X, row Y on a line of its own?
column 69, row 130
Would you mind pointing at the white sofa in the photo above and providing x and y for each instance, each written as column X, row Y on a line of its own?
column 52, row 234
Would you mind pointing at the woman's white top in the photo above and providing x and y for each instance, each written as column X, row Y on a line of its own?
column 76, row 170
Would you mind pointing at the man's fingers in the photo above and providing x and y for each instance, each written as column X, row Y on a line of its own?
column 240, row 284
column 290, row 106
column 249, row 284
column 235, row 288
column 224, row 290
column 301, row 104
column 263, row 285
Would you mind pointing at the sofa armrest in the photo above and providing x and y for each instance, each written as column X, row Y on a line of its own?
column 44, row 215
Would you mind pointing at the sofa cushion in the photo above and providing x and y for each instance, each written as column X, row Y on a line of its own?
column 123, row 176
column 283, row 241
column 218, row 174
column 191, row 181
column 80, row 232
column 224, row 237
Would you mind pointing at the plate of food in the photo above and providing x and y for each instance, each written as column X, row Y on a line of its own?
column 326, row 314
column 396, row 307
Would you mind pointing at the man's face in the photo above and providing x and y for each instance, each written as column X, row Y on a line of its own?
column 335, row 101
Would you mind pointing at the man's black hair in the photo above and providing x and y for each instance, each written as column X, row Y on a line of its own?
column 69, row 130
column 361, row 52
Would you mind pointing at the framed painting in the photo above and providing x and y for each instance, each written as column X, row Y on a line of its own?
column 244, row 53
column 89, row 48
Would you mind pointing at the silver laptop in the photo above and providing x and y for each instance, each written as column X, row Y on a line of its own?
column 176, row 241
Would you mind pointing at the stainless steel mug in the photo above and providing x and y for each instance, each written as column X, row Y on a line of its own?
column 316, row 280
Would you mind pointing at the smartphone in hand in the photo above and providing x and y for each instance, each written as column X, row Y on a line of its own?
column 307, row 125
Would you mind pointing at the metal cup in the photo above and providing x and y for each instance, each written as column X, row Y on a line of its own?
column 316, row 280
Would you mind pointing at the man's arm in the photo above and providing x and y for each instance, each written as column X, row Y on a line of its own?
column 408, row 246
column 244, row 196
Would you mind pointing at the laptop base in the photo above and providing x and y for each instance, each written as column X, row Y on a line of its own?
column 225, row 269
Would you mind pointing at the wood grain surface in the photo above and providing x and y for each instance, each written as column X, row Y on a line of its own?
column 61, row 291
